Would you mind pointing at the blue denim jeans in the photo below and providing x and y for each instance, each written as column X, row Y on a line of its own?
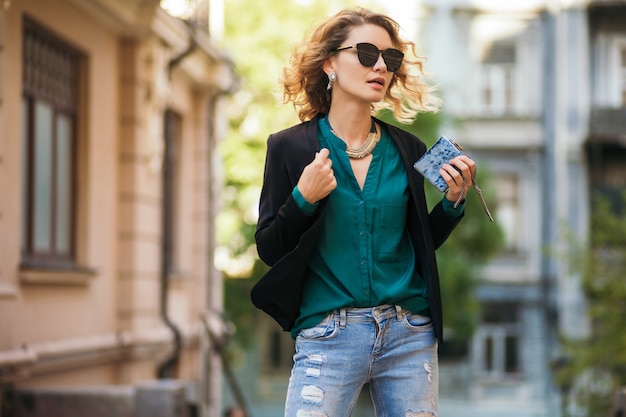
column 392, row 349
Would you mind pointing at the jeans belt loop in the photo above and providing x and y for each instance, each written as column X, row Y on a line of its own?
column 399, row 314
column 342, row 318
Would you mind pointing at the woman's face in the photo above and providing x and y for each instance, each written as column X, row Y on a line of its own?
column 355, row 81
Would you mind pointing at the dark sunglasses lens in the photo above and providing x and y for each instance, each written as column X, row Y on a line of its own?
column 368, row 56
column 393, row 59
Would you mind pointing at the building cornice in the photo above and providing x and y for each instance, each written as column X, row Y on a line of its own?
column 126, row 17
column 206, row 66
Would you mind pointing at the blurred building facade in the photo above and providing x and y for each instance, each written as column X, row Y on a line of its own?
column 536, row 92
column 507, row 70
column 110, row 111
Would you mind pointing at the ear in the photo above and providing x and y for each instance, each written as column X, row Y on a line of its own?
column 329, row 65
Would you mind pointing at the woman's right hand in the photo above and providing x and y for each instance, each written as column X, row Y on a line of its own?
column 317, row 179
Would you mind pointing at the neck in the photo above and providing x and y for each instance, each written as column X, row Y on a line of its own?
column 351, row 126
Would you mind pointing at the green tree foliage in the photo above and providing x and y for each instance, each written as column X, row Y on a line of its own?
column 259, row 36
column 593, row 368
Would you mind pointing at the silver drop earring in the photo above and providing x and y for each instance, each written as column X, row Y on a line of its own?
column 331, row 78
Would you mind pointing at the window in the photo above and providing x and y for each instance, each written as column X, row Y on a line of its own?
column 498, row 78
column 49, row 112
column 171, row 164
column 496, row 342
column 280, row 350
column 623, row 75
column 507, row 211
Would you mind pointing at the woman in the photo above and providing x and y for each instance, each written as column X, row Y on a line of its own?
column 343, row 223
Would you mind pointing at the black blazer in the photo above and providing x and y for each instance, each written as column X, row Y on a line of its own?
column 285, row 237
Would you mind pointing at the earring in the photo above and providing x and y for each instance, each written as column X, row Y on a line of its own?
column 332, row 77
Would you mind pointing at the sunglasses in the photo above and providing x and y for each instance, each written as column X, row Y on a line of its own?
column 368, row 55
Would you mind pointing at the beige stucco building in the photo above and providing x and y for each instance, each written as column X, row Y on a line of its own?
column 109, row 116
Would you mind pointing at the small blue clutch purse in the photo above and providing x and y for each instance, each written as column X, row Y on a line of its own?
column 442, row 152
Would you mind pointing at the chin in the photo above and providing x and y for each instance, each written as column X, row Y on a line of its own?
column 376, row 98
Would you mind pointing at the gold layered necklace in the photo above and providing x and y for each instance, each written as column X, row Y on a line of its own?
column 368, row 146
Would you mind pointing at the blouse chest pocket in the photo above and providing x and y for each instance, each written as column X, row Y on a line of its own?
column 392, row 246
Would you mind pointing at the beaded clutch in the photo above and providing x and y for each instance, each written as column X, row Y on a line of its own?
column 442, row 152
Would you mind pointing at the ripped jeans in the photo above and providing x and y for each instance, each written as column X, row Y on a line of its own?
column 392, row 349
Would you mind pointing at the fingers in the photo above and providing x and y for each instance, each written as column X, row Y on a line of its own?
column 322, row 158
column 461, row 167
column 459, row 175
column 322, row 154
column 318, row 178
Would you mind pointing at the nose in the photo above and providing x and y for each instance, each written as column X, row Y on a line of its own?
column 380, row 62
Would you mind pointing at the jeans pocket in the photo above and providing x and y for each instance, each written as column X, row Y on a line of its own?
column 324, row 329
column 417, row 322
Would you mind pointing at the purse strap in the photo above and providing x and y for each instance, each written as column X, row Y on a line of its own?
column 480, row 197
column 476, row 187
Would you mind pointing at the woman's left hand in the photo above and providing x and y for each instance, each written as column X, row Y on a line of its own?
column 458, row 174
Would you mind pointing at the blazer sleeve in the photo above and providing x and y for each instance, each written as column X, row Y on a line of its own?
column 439, row 225
column 442, row 224
column 281, row 222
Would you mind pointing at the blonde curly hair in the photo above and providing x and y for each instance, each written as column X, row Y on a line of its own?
column 304, row 82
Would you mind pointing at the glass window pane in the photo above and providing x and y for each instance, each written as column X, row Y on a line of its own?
column 511, row 365
column 274, row 350
column 171, row 168
column 488, row 354
column 43, row 177
column 509, row 86
column 508, row 210
column 25, row 178
column 487, row 88
column 63, row 185
column 624, row 76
